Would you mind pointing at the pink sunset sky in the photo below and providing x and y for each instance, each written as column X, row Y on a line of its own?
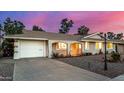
column 50, row 21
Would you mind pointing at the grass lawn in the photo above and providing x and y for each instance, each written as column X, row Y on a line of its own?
column 6, row 69
column 95, row 64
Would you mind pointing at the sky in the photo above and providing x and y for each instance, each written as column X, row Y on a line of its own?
column 97, row 21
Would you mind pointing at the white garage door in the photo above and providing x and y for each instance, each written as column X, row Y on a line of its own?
column 32, row 49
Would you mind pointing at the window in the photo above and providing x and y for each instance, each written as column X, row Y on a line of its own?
column 109, row 45
column 86, row 46
column 61, row 46
column 98, row 45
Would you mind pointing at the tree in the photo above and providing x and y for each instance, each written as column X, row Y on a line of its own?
column 110, row 35
column 1, row 29
column 113, row 36
column 10, row 27
column 13, row 27
column 66, row 24
column 83, row 30
column 37, row 28
column 119, row 36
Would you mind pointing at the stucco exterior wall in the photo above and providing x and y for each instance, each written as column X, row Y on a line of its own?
column 51, row 49
column 59, row 51
column 92, row 48
column 120, row 48
column 48, row 49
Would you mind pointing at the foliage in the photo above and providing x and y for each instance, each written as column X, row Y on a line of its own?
column 87, row 54
column 55, row 55
column 37, row 28
column 65, row 26
column 110, row 35
column 10, row 27
column 100, row 52
column 8, row 48
column 13, row 27
column 113, row 36
column 83, row 30
column 115, row 56
column 1, row 51
column 1, row 31
column 1, row 27
column 119, row 36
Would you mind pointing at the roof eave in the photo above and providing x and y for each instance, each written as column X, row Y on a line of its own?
column 28, row 38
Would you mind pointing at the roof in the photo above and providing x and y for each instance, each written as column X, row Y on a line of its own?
column 39, row 35
column 102, row 40
column 28, row 34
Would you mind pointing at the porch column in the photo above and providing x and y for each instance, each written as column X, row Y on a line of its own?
column 68, row 48
column 82, row 47
column 49, row 49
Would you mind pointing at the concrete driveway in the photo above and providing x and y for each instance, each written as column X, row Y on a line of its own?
column 44, row 69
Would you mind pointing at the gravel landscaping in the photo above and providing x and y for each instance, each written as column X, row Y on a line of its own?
column 95, row 64
column 6, row 69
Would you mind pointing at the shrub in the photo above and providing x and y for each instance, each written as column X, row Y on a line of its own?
column 100, row 52
column 107, row 52
column 115, row 56
column 55, row 55
column 87, row 54
column 61, row 55
column 8, row 48
column 1, row 51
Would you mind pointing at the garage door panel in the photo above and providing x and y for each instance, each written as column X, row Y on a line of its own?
column 32, row 49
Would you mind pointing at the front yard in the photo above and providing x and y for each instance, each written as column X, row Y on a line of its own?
column 6, row 69
column 91, row 63
column 95, row 64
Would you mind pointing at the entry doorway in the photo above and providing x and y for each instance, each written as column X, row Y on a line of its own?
column 76, row 49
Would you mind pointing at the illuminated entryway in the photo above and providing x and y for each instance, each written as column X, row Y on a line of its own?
column 76, row 49
column 59, row 48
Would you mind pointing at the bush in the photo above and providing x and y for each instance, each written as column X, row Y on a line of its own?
column 115, row 56
column 87, row 54
column 55, row 55
column 61, row 55
column 1, row 51
column 100, row 52
column 8, row 48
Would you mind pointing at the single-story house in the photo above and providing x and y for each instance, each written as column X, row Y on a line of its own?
column 45, row 44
